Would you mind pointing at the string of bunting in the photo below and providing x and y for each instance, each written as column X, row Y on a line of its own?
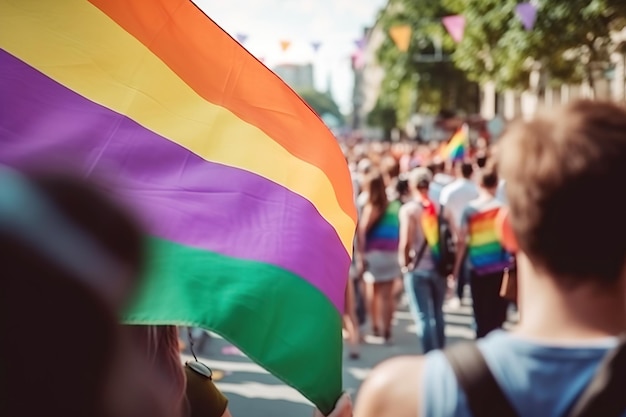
column 455, row 26
column 286, row 44
column 401, row 34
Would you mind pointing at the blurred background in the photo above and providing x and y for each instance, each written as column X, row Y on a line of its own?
column 382, row 69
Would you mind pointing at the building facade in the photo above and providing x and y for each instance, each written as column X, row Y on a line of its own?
column 297, row 76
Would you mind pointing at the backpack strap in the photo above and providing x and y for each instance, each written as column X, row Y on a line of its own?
column 422, row 250
column 484, row 396
column 604, row 396
column 420, row 254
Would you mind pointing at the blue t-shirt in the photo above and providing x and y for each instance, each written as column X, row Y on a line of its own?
column 540, row 380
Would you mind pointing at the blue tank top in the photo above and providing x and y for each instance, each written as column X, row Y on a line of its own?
column 540, row 380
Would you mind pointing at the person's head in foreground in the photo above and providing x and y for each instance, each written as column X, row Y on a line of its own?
column 70, row 260
column 565, row 173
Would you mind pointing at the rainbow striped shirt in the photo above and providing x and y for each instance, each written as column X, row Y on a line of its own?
column 385, row 235
column 485, row 252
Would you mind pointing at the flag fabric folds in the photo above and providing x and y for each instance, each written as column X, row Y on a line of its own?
column 245, row 193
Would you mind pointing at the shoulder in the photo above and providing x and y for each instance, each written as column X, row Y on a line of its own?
column 470, row 210
column 447, row 190
column 476, row 204
column 392, row 388
column 410, row 208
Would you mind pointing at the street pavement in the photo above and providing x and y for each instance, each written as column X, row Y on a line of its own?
column 252, row 391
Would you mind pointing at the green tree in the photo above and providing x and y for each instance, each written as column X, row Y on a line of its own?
column 570, row 38
column 424, row 79
column 322, row 104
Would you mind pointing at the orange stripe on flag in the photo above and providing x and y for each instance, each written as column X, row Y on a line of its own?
column 176, row 31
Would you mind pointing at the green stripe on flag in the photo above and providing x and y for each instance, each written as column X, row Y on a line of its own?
column 275, row 317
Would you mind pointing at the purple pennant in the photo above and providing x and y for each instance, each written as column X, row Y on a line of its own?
column 242, row 37
column 316, row 45
column 360, row 43
column 527, row 13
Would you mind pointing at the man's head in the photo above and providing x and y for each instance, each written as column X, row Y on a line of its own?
column 419, row 180
column 465, row 170
column 437, row 166
column 481, row 160
column 566, row 173
column 489, row 178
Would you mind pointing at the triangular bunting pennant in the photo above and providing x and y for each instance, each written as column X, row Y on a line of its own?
column 284, row 45
column 455, row 25
column 241, row 38
column 527, row 14
column 316, row 46
column 358, row 60
column 360, row 43
column 401, row 36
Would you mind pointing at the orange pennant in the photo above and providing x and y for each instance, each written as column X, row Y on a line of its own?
column 401, row 36
column 284, row 45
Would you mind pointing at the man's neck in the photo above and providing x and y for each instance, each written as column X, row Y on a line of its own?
column 487, row 192
column 548, row 311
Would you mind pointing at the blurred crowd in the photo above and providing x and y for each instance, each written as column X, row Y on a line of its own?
column 427, row 226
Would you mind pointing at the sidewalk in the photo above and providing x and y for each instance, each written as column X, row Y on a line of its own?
column 252, row 391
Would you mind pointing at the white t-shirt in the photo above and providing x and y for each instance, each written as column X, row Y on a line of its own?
column 436, row 186
column 455, row 197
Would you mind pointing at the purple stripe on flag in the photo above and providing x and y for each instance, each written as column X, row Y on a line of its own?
column 178, row 195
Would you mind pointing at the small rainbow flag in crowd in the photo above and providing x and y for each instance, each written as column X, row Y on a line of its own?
column 245, row 193
column 430, row 226
column 456, row 148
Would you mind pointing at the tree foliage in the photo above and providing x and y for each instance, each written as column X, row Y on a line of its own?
column 570, row 39
column 419, row 80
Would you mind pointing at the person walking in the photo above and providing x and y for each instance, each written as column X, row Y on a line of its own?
column 377, row 241
column 424, row 286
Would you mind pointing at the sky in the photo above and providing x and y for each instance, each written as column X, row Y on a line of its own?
column 337, row 24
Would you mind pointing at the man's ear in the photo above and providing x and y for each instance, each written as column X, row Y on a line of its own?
column 505, row 231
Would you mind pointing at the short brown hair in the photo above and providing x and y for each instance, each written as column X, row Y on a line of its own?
column 565, row 173
column 489, row 176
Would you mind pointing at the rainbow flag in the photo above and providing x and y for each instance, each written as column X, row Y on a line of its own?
column 385, row 235
column 485, row 251
column 456, row 148
column 430, row 227
column 245, row 193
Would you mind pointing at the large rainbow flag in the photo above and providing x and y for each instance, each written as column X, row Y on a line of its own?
column 245, row 193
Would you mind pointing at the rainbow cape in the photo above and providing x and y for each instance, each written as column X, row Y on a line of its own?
column 430, row 227
column 456, row 148
column 385, row 235
column 246, row 195
column 485, row 250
